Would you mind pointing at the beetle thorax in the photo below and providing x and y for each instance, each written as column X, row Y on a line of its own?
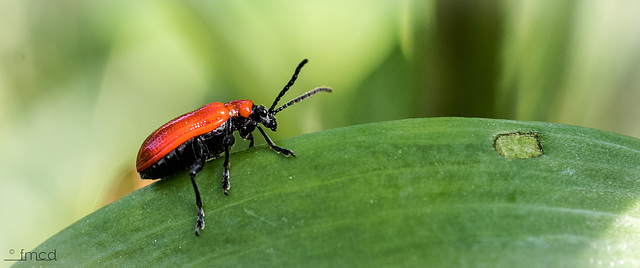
column 242, row 108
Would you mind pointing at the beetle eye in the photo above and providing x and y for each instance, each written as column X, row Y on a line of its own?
column 263, row 113
column 259, row 112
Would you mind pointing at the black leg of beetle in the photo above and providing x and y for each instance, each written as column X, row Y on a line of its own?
column 226, row 185
column 227, row 142
column 197, row 167
column 250, row 138
column 285, row 152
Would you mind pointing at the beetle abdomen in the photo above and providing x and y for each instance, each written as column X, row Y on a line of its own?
column 184, row 156
column 178, row 131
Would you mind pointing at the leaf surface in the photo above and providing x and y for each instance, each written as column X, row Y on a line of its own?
column 432, row 192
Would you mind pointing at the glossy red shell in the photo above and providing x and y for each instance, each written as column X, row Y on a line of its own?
column 240, row 107
column 179, row 130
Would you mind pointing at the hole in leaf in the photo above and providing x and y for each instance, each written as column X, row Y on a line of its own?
column 518, row 145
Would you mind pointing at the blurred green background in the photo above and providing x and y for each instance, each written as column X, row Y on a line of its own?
column 82, row 83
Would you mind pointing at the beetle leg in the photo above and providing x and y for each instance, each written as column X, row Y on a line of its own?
column 227, row 142
column 246, row 132
column 225, row 174
column 285, row 152
column 197, row 167
column 250, row 138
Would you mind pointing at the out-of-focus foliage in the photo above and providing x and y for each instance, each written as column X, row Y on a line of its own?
column 83, row 83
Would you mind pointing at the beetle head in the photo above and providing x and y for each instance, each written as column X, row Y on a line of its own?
column 261, row 115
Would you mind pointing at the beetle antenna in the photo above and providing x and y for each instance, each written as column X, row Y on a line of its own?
column 286, row 87
column 302, row 97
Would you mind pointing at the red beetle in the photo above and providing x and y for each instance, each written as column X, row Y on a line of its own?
column 193, row 138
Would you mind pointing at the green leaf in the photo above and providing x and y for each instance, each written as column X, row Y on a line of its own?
column 425, row 192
